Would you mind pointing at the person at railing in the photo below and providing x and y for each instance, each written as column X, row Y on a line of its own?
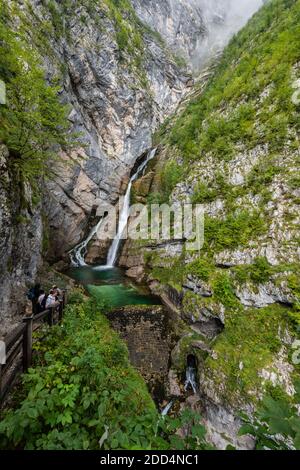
column 57, row 292
column 33, row 295
column 42, row 302
column 51, row 299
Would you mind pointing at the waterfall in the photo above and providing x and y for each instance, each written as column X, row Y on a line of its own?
column 190, row 379
column 78, row 253
column 124, row 213
column 167, row 408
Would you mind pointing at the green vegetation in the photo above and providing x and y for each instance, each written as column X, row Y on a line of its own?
column 169, row 271
column 83, row 388
column 277, row 423
column 246, row 346
column 186, row 346
column 33, row 122
column 248, row 101
column 201, row 267
column 259, row 272
column 236, row 230
column 203, row 193
column 128, row 32
column 169, row 175
column 223, row 290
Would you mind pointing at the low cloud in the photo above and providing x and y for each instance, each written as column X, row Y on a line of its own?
column 223, row 18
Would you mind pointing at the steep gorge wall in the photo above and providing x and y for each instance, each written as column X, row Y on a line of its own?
column 120, row 81
column 235, row 150
column 21, row 237
column 117, row 100
column 196, row 29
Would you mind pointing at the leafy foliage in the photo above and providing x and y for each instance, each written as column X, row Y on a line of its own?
column 277, row 423
column 248, row 101
column 258, row 272
column 247, row 345
column 237, row 229
column 34, row 123
column 83, row 388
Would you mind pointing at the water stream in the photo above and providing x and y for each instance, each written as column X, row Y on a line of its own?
column 167, row 408
column 124, row 214
column 78, row 253
column 107, row 282
column 191, row 374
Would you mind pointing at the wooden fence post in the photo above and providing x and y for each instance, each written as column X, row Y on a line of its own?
column 27, row 343
column 51, row 316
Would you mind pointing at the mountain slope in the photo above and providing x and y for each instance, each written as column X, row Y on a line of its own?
column 118, row 81
column 235, row 149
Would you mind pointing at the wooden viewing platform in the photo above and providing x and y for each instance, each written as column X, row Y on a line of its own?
column 18, row 346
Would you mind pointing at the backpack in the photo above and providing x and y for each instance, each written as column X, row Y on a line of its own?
column 43, row 303
column 31, row 294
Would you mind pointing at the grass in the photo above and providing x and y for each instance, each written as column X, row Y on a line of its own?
column 231, row 109
column 236, row 230
column 246, row 346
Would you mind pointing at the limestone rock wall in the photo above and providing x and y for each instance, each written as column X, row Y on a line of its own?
column 21, row 230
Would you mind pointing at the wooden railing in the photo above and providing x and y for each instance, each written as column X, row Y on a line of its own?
column 18, row 345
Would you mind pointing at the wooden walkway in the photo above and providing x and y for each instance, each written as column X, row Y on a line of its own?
column 18, row 346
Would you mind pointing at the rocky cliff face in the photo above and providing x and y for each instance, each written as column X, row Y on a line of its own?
column 196, row 29
column 181, row 23
column 121, row 81
column 20, row 244
column 240, row 297
column 118, row 94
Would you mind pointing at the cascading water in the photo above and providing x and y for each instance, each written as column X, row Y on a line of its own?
column 124, row 214
column 167, row 408
column 78, row 253
column 191, row 380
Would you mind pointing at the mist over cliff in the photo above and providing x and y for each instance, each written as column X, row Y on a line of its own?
column 196, row 29
column 223, row 19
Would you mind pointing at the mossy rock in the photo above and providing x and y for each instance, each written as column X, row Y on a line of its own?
column 189, row 344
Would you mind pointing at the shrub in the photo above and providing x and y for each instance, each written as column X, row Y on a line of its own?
column 170, row 176
column 202, row 268
column 258, row 272
column 203, row 193
column 84, row 388
column 237, row 229
column 34, row 123
column 223, row 290
column 276, row 425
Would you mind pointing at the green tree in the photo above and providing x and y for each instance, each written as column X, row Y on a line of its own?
column 277, row 423
column 33, row 122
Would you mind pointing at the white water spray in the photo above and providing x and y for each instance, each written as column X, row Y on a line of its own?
column 167, row 408
column 78, row 253
column 190, row 379
column 124, row 213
